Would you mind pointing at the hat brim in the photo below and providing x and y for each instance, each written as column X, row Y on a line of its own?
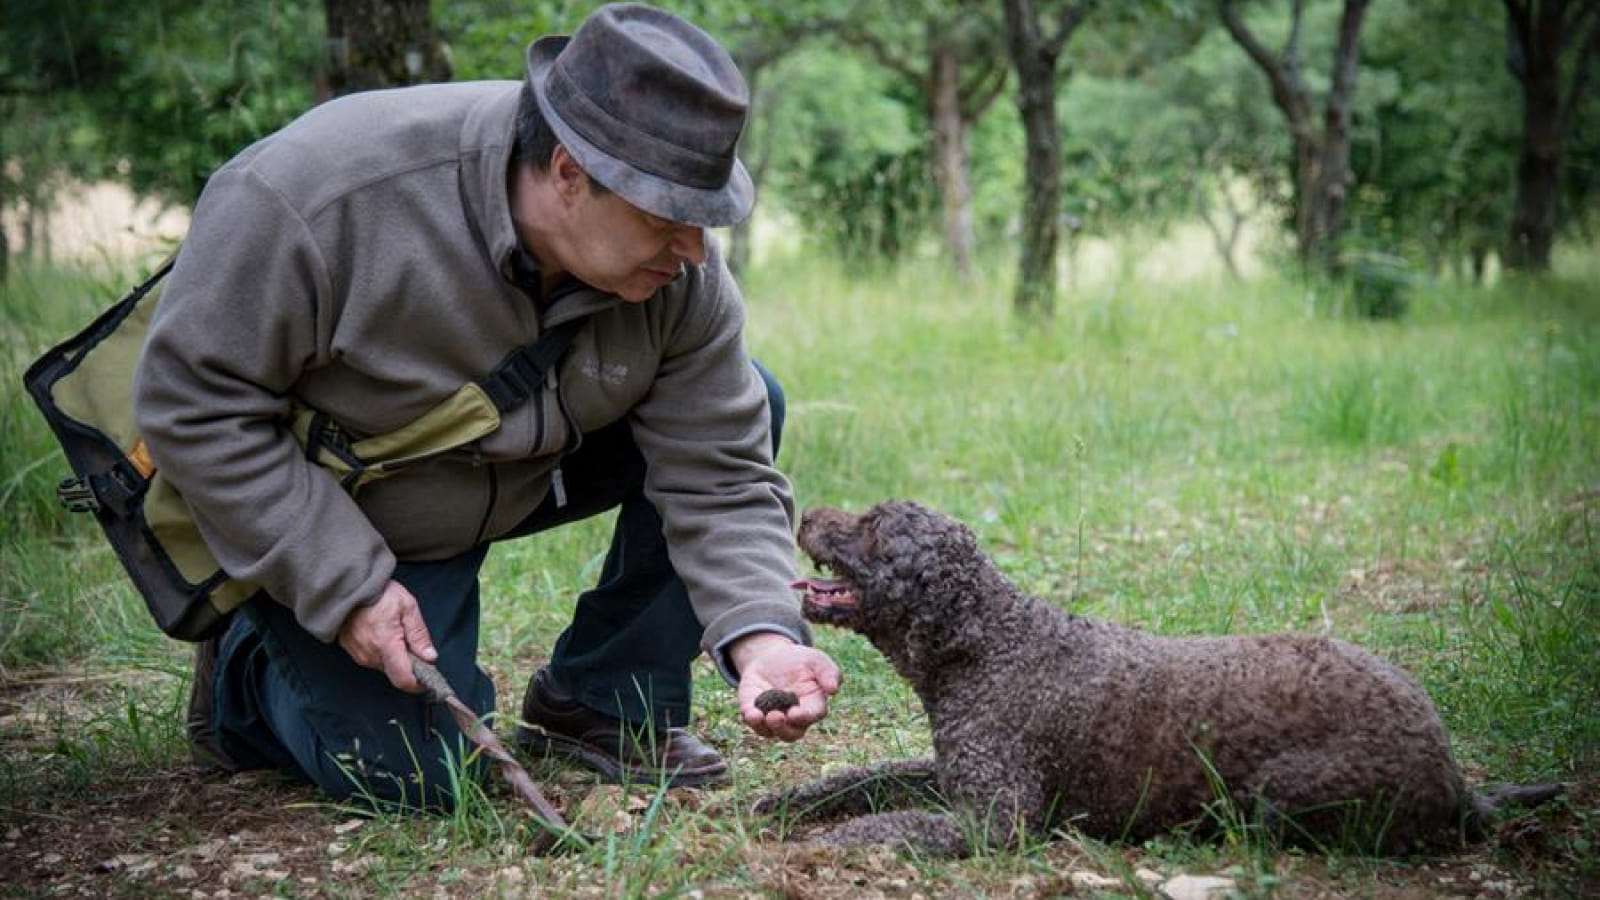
column 710, row 208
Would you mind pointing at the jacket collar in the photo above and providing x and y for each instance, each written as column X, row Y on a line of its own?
column 487, row 136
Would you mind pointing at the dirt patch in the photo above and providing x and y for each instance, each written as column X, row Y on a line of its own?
column 169, row 828
column 1400, row 586
column 175, row 832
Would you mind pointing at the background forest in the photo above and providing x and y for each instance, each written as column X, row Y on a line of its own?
column 1425, row 134
column 1208, row 316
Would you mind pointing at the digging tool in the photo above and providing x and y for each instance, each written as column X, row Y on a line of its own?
column 557, row 832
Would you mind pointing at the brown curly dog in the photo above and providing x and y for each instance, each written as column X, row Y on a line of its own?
column 1043, row 720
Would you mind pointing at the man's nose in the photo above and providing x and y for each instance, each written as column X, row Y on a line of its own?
column 689, row 244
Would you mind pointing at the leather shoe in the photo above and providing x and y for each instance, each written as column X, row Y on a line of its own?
column 205, row 744
column 556, row 725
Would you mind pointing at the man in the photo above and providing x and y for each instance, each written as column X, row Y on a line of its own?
column 387, row 248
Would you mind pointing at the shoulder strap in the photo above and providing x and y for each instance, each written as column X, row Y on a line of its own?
column 464, row 416
column 524, row 370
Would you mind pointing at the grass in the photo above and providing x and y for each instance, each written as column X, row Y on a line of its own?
column 1189, row 458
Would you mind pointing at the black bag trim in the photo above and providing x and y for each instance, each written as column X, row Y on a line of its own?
column 108, row 486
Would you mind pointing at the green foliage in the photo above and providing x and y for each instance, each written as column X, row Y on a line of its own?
column 487, row 38
column 849, row 157
column 156, row 94
column 1438, row 171
column 1194, row 459
column 1437, row 182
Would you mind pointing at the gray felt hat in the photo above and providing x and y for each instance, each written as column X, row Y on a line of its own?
column 652, row 108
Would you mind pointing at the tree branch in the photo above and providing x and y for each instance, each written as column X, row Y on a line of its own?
column 1345, row 59
column 1291, row 44
column 1517, row 37
column 1067, row 21
column 984, row 89
column 1582, row 68
column 1245, row 38
column 1287, row 91
column 883, row 55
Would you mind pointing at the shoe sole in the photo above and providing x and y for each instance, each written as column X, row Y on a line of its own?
column 610, row 769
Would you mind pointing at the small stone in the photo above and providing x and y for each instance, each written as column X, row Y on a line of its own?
column 1197, row 887
column 1093, row 881
column 776, row 700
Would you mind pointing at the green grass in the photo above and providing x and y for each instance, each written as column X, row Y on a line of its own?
column 1188, row 458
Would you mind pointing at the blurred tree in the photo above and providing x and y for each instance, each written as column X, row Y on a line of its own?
column 1165, row 124
column 758, row 36
column 1321, row 172
column 1036, row 33
column 1441, row 138
column 1537, row 51
column 849, row 154
column 951, row 54
column 381, row 43
column 155, row 94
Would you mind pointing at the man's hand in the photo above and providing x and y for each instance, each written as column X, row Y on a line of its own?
column 769, row 661
column 383, row 636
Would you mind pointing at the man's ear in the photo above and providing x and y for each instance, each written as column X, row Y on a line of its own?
column 569, row 178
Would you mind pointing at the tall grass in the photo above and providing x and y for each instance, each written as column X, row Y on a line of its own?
column 1206, row 457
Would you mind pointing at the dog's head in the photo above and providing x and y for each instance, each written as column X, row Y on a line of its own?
column 900, row 572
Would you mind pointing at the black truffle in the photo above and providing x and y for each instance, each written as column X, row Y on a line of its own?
column 775, row 699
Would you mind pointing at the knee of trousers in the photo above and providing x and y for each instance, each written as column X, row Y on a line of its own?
column 406, row 770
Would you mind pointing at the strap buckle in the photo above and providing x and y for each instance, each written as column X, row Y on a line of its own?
column 77, row 496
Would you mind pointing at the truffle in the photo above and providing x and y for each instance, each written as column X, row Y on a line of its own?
column 775, row 699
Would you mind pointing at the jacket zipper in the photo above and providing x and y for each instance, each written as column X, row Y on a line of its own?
column 573, row 441
column 488, row 509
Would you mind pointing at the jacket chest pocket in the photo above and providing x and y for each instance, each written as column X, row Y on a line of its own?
column 599, row 390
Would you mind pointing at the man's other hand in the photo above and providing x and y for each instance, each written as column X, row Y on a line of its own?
column 767, row 661
column 383, row 636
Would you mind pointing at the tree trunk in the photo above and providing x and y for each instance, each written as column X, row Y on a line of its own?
column 1223, row 240
column 950, row 158
column 1332, row 189
column 1322, row 178
column 739, row 236
column 382, row 43
column 1536, row 35
column 1034, row 53
column 1041, row 207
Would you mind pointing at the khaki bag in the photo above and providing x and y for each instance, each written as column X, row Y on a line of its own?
column 84, row 388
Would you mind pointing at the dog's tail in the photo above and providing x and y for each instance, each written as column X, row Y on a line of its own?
column 1493, row 800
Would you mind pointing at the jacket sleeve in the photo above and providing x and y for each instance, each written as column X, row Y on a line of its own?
column 705, row 432
column 245, row 310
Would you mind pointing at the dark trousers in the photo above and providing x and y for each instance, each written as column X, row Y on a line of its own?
column 285, row 700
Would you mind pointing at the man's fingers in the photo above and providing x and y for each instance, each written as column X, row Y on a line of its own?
column 397, row 665
column 416, row 634
column 829, row 678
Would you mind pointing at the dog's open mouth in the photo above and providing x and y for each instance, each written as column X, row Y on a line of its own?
column 829, row 601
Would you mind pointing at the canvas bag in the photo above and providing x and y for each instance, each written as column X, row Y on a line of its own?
column 84, row 388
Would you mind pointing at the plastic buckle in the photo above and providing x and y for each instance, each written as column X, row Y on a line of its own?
column 76, row 495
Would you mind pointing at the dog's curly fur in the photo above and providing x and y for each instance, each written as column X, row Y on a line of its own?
column 1043, row 720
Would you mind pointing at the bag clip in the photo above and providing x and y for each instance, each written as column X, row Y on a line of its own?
column 76, row 496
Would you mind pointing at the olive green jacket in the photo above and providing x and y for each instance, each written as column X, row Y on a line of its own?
column 359, row 261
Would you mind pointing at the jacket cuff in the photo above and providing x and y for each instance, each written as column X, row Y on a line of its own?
column 324, row 617
column 750, row 619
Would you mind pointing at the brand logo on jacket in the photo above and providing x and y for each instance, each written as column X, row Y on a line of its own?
column 609, row 373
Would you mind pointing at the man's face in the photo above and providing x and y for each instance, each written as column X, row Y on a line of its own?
column 620, row 248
